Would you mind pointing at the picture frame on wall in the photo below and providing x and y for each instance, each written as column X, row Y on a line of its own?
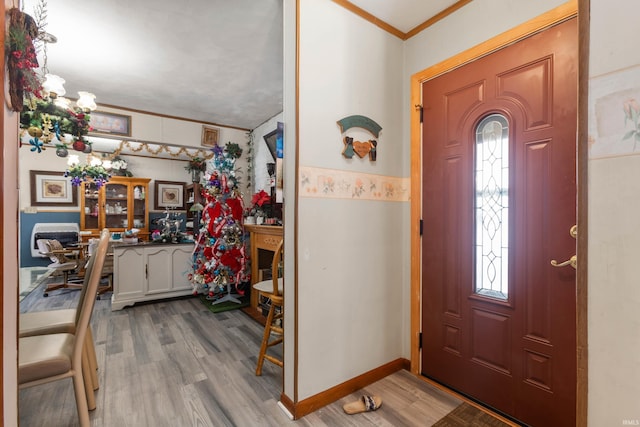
column 169, row 195
column 210, row 136
column 50, row 188
column 270, row 140
column 110, row 123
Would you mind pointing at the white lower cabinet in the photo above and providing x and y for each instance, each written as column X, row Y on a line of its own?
column 148, row 272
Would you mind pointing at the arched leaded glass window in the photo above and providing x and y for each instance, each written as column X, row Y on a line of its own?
column 492, row 207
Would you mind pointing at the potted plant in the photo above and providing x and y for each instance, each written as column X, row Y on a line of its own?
column 119, row 167
column 261, row 209
column 196, row 166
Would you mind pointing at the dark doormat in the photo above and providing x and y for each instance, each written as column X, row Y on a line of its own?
column 467, row 415
column 224, row 306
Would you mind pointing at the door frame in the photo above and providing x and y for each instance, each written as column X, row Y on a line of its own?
column 548, row 19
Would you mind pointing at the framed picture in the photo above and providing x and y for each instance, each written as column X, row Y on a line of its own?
column 169, row 194
column 210, row 136
column 270, row 139
column 110, row 123
column 52, row 189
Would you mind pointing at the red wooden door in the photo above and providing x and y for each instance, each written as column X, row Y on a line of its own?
column 499, row 142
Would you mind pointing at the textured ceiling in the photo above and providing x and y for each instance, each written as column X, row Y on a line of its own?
column 217, row 61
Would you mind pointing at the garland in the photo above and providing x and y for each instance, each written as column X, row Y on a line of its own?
column 136, row 147
column 43, row 119
column 250, row 143
column 21, row 58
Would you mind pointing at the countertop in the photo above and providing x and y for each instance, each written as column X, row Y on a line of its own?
column 117, row 244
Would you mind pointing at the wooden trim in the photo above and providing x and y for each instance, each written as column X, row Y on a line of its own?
column 287, row 403
column 296, row 209
column 167, row 116
column 369, row 17
column 429, row 22
column 416, row 216
column 535, row 25
column 315, row 402
column 548, row 19
column 393, row 30
column 2, row 242
column 582, row 385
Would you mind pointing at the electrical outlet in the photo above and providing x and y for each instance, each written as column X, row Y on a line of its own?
column 31, row 210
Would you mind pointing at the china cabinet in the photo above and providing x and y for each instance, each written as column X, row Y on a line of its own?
column 121, row 204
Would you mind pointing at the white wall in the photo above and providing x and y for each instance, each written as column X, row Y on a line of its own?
column 614, row 203
column 289, row 115
column 145, row 128
column 350, row 267
column 10, row 267
column 466, row 28
column 9, row 243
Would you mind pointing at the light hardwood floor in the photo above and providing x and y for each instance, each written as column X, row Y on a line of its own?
column 173, row 363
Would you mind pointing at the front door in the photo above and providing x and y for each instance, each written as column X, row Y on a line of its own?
column 499, row 199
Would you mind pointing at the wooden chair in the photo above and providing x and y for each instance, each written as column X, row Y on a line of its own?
column 64, row 321
column 46, row 358
column 61, row 263
column 272, row 289
column 107, row 273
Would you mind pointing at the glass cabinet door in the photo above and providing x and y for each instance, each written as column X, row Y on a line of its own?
column 139, row 213
column 91, row 214
column 121, row 204
column 115, row 206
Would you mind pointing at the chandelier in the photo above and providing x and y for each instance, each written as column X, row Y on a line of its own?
column 56, row 119
column 45, row 114
column 95, row 170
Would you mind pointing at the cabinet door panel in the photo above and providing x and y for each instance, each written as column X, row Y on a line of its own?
column 181, row 266
column 158, row 265
column 129, row 275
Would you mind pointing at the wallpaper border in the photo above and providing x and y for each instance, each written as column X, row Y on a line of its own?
column 340, row 184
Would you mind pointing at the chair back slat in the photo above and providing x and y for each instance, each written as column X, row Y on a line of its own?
column 88, row 269
column 84, row 311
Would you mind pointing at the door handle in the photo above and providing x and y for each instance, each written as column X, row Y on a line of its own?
column 573, row 262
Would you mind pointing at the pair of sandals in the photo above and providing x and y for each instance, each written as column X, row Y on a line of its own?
column 365, row 404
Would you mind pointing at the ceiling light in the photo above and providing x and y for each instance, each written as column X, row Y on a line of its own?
column 53, row 85
column 86, row 101
column 73, row 160
column 62, row 102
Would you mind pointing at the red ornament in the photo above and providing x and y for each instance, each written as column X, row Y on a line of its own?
column 79, row 145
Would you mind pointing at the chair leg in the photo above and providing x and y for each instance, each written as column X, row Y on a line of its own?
column 88, row 384
column 108, row 288
column 93, row 360
column 81, row 400
column 277, row 330
column 265, row 339
column 64, row 285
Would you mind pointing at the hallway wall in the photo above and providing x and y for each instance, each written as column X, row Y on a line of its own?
column 351, row 270
column 614, row 203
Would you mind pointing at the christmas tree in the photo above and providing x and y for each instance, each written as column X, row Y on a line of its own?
column 219, row 255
